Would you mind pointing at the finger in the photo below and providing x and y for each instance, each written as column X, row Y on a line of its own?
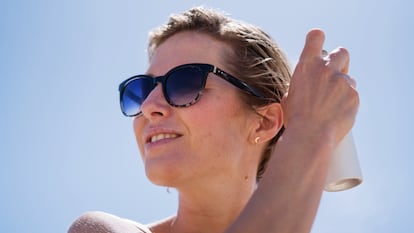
column 313, row 44
column 352, row 82
column 339, row 60
column 348, row 79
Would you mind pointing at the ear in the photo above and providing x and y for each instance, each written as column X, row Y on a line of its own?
column 270, row 122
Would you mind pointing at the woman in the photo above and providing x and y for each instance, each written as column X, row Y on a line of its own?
column 210, row 128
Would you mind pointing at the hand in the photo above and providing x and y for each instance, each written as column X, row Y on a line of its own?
column 321, row 95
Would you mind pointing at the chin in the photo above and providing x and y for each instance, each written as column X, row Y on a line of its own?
column 162, row 174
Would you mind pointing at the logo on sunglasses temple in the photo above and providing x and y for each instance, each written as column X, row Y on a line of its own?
column 181, row 87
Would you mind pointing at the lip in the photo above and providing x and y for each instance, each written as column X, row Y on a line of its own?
column 148, row 134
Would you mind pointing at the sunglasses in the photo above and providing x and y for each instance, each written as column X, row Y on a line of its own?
column 181, row 86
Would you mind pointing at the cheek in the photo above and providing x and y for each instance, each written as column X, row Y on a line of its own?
column 218, row 123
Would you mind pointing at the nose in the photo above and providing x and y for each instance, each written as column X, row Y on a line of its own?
column 155, row 104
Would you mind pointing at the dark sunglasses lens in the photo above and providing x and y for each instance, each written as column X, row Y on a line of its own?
column 183, row 86
column 135, row 92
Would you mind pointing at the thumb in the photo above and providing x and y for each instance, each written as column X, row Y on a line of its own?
column 313, row 45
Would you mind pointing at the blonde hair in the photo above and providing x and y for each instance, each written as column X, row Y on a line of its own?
column 255, row 58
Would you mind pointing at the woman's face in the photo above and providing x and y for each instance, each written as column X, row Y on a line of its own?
column 209, row 141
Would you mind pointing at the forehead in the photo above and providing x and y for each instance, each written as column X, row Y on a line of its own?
column 187, row 47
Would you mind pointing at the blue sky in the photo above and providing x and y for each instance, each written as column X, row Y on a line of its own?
column 65, row 148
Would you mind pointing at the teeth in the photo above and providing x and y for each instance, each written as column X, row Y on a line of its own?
column 162, row 136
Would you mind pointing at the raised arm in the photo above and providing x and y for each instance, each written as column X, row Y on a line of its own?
column 318, row 111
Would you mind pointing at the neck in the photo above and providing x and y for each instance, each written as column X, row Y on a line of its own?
column 211, row 208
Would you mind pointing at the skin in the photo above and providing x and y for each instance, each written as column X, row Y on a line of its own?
column 200, row 166
column 216, row 180
column 197, row 162
column 288, row 195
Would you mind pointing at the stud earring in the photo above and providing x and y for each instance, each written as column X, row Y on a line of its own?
column 256, row 140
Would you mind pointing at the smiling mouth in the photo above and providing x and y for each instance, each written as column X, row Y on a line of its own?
column 163, row 136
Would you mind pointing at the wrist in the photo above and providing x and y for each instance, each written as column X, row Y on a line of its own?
column 313, row 135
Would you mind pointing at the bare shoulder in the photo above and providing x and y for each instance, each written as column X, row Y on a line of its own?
column 100, row 222
column 163, row 225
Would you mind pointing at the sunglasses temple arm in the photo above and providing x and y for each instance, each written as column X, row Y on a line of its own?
column 236, row 82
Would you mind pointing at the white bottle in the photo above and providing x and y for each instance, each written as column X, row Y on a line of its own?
column 344, row 169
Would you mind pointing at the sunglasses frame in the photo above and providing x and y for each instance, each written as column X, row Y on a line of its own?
column 205, row 68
